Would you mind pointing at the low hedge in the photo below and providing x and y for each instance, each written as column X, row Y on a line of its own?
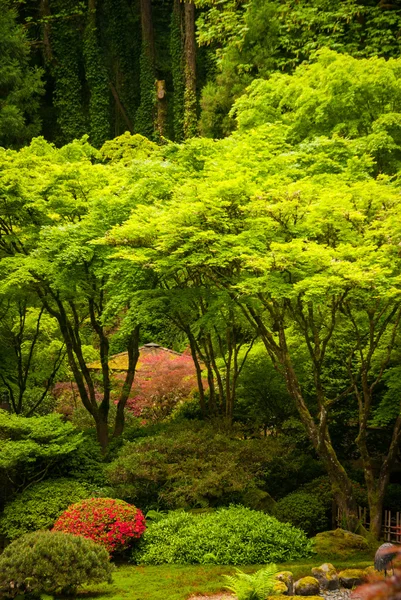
column 228, row 536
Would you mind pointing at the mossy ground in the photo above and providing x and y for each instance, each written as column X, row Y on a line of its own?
column 178, row 582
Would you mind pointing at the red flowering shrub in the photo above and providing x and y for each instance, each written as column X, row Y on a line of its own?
column 110, row 523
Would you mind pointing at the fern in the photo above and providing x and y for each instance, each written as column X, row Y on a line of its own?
column 257, row 586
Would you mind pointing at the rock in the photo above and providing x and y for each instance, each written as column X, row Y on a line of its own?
column 280, row 588
column 352, row 577
column 371, row 572
column 307, row 586
column 339, row 542
column 326, row 576
column 287, row 578
column 294, row 598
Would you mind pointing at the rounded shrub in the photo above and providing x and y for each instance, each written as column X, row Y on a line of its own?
column 229, row 536
column 112, row 523
column 40, row 505
column 304, row 510
column 51, row 562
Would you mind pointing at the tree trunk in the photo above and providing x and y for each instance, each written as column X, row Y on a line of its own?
column 177, row 69
column 318, row 432
column 192, row 344
column 44, row 11
column 133, row 355
column 190, row 104
column 102, row 431
column 145, row 114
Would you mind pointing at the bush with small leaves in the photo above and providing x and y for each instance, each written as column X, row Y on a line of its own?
column 303, row 510
column 51, row 562
column 228, row 536
column 39, row 506
column 111, row 523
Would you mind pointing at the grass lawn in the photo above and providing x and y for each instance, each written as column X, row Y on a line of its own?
column 177, row 582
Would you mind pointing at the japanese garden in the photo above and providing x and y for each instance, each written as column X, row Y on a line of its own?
column 200, row 299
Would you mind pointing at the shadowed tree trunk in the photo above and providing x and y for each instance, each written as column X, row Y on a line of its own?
column 190, row 108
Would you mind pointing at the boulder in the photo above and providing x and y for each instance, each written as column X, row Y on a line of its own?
column 287, row 578
column 339, row 542
column 307, row 586
column 352, row 577
column 326, row 576
column 294, row 598
column 371, row 572
column 280, row 588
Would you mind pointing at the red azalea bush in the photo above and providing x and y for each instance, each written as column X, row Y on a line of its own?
column 110, row 523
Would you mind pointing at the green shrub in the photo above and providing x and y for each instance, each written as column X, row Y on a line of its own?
column 85, row 464
column 39, row 506
column 197, row 464
column 320, row 487
column 49, row 562
column 234, row 535
column 255, row 586
column 303, row 510
column 392, row 497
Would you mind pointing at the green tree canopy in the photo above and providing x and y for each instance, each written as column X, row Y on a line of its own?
column 20, row 84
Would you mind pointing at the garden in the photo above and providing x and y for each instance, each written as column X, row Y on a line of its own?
column 200, row 299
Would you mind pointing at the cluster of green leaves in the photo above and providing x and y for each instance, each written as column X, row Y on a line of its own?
column 197, row 464
column 304, row 511
column 48, row 563
column 36, row 441
column 40, row 505
column 259, row 38
column 228, row 536
column 255, row 586
column 20, row 84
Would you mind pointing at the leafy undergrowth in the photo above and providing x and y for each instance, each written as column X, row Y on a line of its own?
column 178, row 582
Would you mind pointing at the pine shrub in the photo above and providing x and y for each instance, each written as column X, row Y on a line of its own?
column 51, row 562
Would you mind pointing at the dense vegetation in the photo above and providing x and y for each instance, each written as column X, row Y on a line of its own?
column 222, row 179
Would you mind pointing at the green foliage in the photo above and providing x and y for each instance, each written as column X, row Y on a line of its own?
column 144, row 119
column 194, row 464
column 85, row 464
column 47, row 562
column 259, row 38
column 97, row 79
column 263, row 401
column 27, row 442
column 304, row 511
column 120, row 41
column 40, row 505
column 312, row 102
column 392, row 497
column 255, row 586
column 20, row 84
column 68, row 98
column 177, row 72
column 234, row 535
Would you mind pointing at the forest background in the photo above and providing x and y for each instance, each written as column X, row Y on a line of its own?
column 229, row 248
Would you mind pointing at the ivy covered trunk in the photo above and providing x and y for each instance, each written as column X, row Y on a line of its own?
column 190, row 116
column 145, row 117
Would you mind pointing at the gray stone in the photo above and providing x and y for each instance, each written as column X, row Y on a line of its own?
column 352, row 577
column 287, row 578
column 307, row 586
column 326, row 576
